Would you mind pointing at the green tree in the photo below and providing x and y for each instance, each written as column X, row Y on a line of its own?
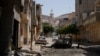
column 72, row 29
column 47, row 28
column 60, row 30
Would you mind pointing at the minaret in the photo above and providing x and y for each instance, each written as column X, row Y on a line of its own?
column 52, row 18
column 52, row 14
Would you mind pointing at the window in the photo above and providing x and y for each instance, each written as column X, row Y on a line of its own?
column 65, row 18
column 98, row 8
column 25, row 40
column 21, row 8
column 80, row 1
column 37, row 7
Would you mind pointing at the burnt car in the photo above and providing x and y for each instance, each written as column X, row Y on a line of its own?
column 63, row 43
column 68, row 41
column 41, row 40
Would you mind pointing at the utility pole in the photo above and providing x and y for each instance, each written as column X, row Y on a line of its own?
column 31, row 39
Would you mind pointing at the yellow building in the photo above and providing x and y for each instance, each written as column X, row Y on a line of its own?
column 26, row 22
column 37, row 25
column 72, row 20
column 89, row 21
column 31, row 26
column 16, row 24
column 92, row 25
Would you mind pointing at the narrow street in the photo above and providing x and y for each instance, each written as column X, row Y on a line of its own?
column 49, row 27
column 68, row 52
column 83, row 51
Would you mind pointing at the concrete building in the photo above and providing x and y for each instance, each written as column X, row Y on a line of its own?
column 45, row 19
column 56, row 24
column 37, row 27
column 28, row 6
column 9, row 10
column 48, row 19
column 37, row 22
column 67, row 19
column 87, row 12
column 31, row 26
column 17, row 24
column 62, row 19
column 72, row 20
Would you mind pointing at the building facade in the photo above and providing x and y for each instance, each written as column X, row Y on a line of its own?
column 48, row 19
column 63, row 19
column 87, row 12
column 17, row 20
column 6, row 22
column 26, row 22
column 68, row 20
column 72, row 20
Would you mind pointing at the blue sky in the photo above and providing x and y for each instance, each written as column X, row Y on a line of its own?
column 59, row 7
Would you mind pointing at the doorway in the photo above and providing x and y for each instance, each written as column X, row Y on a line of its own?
column 15, row 34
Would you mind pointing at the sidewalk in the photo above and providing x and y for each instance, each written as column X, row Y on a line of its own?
column 90, row 46
column 26, row 47
column 35, row 49
column 50, row 42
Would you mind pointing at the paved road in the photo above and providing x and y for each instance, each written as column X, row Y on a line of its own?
column 67, row 52
column 49, row 40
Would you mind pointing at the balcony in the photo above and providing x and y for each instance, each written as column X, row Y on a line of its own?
column 38, row 10
column 89, row 20
column 23, row 17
